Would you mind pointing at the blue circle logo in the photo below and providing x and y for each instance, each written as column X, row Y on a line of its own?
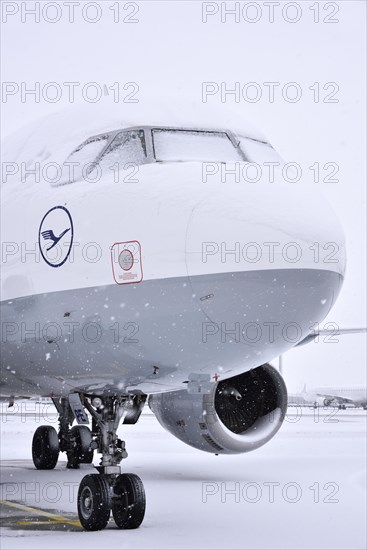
column 55, row 236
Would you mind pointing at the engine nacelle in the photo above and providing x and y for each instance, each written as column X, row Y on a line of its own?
column 239, row 415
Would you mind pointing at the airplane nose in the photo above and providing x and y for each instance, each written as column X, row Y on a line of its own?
column 264, row 227
column 261, row 258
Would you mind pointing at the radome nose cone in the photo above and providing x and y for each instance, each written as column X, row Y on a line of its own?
column 261, row 258
column 263, row 227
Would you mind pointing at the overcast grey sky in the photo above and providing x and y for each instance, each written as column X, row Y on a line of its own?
column 170, row 50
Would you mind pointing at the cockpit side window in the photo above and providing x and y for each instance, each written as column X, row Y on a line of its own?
column 105, row 154
column 82, row 160
column 128, row 147
column 259, row 151
column 173, row 145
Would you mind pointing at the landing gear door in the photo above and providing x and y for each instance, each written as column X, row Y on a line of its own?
column 78, row 409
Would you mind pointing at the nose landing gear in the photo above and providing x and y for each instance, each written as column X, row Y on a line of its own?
column 128, row 504
column 99, row 494
column 123, row 494
column 94, row 502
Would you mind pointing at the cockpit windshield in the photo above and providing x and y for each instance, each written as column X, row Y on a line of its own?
column 119, row 149
column 193, row 145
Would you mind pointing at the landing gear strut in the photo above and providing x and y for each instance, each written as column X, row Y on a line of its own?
column 99, row 494
column 109, row 490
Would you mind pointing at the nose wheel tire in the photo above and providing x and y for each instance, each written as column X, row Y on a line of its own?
column 45, row 448
column 80, row 451
column 94, row 502
column 128, row 504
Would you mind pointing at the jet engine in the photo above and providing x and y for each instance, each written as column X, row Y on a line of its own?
column 238, row 415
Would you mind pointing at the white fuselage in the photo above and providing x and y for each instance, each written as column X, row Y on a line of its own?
column 160, row 280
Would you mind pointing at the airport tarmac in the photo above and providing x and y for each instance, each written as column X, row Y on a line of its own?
column 306, row 489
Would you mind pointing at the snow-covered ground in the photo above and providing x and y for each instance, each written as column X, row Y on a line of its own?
column 305, row 489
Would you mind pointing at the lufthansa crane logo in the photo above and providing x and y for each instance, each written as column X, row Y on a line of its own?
column 55, row 236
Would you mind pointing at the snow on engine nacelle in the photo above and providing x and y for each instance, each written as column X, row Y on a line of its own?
column 239, row 414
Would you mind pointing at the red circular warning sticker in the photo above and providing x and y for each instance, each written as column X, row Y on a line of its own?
column 126, row 262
